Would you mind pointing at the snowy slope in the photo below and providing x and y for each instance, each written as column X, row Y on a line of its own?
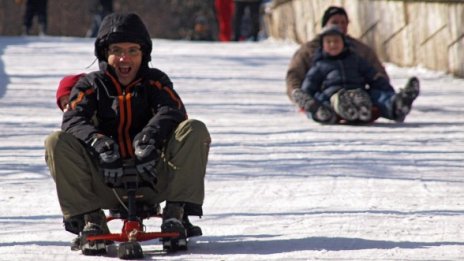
column 279, row 186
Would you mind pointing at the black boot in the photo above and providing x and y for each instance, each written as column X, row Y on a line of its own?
column 95, row 224
column 192, row 230
column 173, row 215
column 404, row 99
column 74, row 225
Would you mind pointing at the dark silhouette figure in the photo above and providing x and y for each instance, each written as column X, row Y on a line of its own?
column 100, row 9
column 35, row 8
column 253, row 8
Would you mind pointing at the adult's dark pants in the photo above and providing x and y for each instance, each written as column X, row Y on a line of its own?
column 240, row 8
column 36, row 8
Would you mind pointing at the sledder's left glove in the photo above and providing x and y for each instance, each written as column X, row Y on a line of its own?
column 146, row 157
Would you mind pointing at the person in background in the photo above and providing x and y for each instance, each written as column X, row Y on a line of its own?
column 302, row 61
column 253, row 7
column 34, row 8
column 201, row 30
column 340, row 81
column 100, row 9
column 224, row 13
column 64, row 90
column 125, row 113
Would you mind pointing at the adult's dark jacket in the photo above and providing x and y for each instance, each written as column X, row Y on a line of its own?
column 347, row 70
column 100, row 105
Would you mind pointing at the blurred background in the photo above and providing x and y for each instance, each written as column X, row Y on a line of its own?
column 408, row 33
column 169, row 19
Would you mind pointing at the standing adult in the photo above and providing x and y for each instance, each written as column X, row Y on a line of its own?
column 224, row 13
column 125, row 113
column 100, row 9
column 253, row 7
column 35, row 8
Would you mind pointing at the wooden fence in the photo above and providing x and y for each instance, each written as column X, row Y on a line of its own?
column 406, row 33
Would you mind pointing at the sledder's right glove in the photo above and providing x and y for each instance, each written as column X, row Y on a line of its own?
column 304, row 101
column 110, row 160
column 146, row 157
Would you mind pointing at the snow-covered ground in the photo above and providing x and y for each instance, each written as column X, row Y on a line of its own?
column 279, row 186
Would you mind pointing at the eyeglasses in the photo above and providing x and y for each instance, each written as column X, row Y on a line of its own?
column 120, row 52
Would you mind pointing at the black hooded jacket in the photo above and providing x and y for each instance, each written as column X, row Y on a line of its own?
column 99, row 104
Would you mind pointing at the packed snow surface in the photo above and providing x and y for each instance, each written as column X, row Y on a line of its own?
column 278, row 186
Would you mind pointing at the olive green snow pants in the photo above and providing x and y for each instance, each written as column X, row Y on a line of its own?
column 80, row 187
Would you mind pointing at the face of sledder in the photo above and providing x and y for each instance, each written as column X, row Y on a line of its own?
column 125, row 58
column 332, row 44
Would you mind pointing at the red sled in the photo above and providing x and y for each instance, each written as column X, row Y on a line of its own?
column 133, row 232
column 133, row 213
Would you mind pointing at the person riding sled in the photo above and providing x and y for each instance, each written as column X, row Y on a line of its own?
column 386, row 101
column 341, row 86
column 126, row 112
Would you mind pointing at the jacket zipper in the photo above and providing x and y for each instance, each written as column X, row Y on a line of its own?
column 125, row 118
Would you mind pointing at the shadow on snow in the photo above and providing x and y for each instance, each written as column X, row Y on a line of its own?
column 243, row 245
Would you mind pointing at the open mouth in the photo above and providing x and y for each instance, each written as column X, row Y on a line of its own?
column 124, row 70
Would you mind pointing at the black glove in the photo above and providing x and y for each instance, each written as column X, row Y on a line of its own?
column 146, row 157
column 304, row 101
column 110, row 161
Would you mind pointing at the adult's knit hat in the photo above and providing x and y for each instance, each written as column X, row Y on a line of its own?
column 118, row 28
column 65, row 86
column 331, row 11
